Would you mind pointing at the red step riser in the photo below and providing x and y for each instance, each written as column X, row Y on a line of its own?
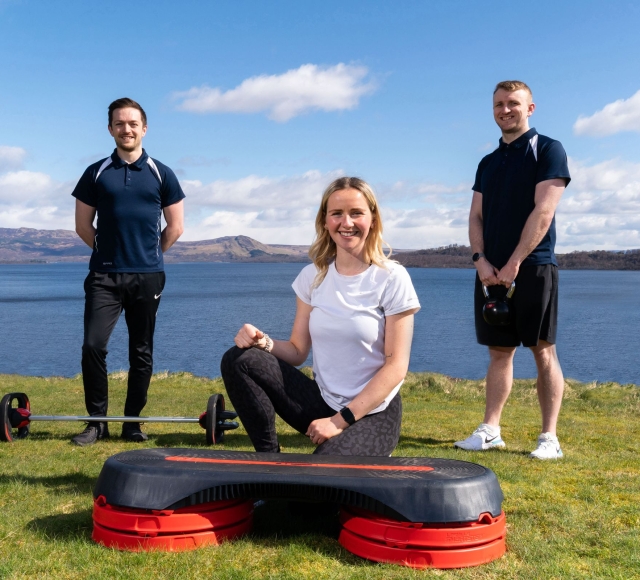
column 422, row 558
column 168, row 543
column 370, row 526
column 206, row 517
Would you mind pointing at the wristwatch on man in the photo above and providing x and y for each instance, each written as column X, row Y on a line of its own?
column 477, row 256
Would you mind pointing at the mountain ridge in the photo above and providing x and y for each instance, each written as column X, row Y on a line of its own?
column 28, row 245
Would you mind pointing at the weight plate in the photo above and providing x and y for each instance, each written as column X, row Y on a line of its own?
column 211, row 419
column 7, row 432
column 219, row 431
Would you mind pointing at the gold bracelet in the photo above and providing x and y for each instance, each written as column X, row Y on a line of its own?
column 268, row 347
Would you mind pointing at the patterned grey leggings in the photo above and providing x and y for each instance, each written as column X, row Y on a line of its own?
column 260, row 386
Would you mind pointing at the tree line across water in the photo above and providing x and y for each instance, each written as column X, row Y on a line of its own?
column 460, row 257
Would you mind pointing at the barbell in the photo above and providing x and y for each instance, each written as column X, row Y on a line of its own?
column 15, row 420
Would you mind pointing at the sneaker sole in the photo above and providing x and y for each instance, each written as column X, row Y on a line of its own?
column 559, row 456
column 483, row 448
column 135, row 438
column 87, row 444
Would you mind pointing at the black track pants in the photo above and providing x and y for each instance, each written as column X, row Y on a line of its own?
column 106, row 295
column 260, row 386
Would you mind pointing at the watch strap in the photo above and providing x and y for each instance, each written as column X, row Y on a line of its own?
column 348, row 415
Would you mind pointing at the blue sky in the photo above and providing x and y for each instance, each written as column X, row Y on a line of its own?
column 257, row 106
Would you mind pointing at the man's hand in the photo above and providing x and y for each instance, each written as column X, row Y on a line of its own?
column 321, row 430
column 249, row 336
column 487, row 273
column 508, row 273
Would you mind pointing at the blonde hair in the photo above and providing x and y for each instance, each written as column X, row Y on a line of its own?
column 323, row 250
column 512, row 86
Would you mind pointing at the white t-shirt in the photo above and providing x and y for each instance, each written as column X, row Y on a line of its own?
column 347, row 326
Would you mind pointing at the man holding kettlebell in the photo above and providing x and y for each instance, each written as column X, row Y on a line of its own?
column 512, row 234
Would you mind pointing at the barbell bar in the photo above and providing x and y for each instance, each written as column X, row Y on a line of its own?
column 215, row 420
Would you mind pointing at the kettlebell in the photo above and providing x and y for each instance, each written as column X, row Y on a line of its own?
column 496, row 310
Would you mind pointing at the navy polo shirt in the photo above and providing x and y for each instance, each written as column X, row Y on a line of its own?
column 507, row 180
column 129, row 198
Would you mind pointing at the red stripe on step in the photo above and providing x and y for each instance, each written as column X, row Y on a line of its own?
column 296, row 464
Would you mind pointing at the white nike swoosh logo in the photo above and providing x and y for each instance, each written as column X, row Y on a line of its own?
column 156, row 296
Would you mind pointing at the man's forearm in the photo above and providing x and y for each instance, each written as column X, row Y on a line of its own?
column 476, row 238
column 535, row 228
column 170, row 236
column 87, row 235
column 548, row 194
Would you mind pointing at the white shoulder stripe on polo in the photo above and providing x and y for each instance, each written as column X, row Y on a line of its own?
column 154, row 169
column 104, row 165
column 534, row 146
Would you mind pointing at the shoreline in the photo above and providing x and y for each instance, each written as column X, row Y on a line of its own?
column 121, row 375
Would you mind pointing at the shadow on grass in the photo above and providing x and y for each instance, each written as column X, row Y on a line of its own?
column 422, row 441
column 73, row 526
column 63, row 484
column 279, row 523
column 179, row 439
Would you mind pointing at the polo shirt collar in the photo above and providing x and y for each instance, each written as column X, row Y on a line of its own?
column 520, row 141
column 138, row 164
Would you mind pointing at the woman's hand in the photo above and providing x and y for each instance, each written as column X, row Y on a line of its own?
column 321, row 430
column 249, row 336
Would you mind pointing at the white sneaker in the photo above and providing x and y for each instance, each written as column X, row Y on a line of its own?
column 483, row 438
column 548, row 447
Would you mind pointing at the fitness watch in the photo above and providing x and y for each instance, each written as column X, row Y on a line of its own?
column 477, row 256
column 347, row 415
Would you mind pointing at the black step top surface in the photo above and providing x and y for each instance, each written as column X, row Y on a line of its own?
column 415, row 489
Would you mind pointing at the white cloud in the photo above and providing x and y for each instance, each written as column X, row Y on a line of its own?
column 271, row 210
column 601, row 207
column 283, row 210
column 11, row 157
column 310, row 87
column 599, row 210
column 34, row 200
column 621, row 115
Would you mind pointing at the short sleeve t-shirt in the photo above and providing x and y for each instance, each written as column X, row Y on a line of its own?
column 129, row 199
column 507, row 180
column 347, row 326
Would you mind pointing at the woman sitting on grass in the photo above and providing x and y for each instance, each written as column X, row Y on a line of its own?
column 355, row 307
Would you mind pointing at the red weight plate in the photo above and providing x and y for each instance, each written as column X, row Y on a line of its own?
column 168, row 542
column 421, row 558
column 209, row 516
column 401, row 534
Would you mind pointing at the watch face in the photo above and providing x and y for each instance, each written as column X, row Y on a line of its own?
column 475, row 257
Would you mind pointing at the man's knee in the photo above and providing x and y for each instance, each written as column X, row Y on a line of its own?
column 501, row 353
column 94, row 349
column 545, row 353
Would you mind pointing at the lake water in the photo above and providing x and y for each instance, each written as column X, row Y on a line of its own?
column 203, row 305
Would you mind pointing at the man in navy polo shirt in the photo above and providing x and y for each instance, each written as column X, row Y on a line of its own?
column 512, row 234
column 129, row 191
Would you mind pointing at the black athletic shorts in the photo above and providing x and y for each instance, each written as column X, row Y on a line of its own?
column 533, row 308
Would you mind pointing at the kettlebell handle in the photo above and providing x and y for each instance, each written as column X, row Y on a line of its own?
column 510, row 292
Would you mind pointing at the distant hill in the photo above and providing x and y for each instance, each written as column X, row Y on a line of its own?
column 26, row 245
column 460, row 257
column 235, row 249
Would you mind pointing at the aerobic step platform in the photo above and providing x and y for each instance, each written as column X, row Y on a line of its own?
column 416, row 511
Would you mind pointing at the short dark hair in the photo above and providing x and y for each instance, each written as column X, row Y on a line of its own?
column 126, row 103
column 512, row 86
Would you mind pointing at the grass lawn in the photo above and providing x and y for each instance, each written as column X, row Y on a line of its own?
column 575, row 518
